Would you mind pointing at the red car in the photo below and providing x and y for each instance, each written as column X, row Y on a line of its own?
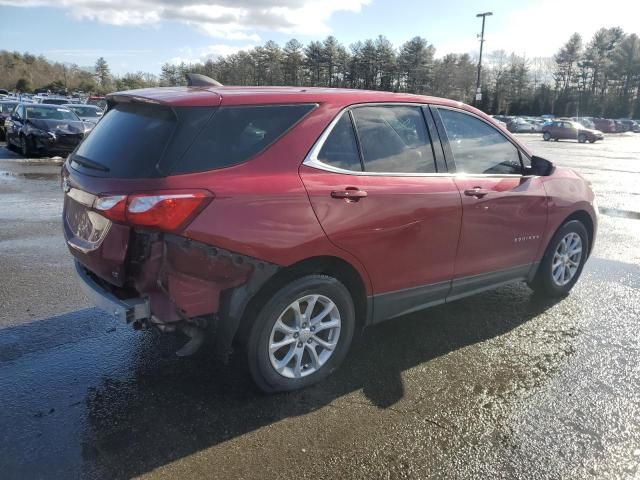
column 604, row 125
column 569, row 130
column 283, row 219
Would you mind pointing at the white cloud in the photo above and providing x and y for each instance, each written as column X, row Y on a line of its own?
column 227, row 19
column 189, row 55
column 540, row 29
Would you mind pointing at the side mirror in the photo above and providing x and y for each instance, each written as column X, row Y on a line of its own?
column 541, row 167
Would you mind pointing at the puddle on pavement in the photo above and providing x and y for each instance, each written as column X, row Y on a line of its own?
column 29, row 175
column 615, row 212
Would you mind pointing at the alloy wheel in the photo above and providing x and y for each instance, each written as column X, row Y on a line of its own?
column 566, row 259
column 304, row 336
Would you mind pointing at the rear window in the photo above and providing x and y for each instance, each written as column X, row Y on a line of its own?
column 55, row 101
column 235, row 134
column 129, row 141
column 146, row 141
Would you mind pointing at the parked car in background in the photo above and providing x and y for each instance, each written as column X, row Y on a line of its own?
column 631, row 125
column 585, row 122
column 498, row 121
column 43, row 129
column 289, row 218
column 54, row 101
column 537, row 124
column 621, row 127
column 6, row 107
column 568, row 130
column 519, row 125
column 502, row 118
column 97, row 101
column 88, row 113
column 605, row 125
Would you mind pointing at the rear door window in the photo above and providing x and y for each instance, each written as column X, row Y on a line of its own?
column 235, row 134
column 394, row 139
column 340, row 149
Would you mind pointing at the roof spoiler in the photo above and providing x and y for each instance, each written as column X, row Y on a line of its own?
column 198, row 80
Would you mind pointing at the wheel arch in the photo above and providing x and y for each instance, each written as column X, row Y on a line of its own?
column 583, row 217
column 335, row 267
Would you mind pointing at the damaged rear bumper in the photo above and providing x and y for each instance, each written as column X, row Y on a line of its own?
column 135, row 309
column 174, row 283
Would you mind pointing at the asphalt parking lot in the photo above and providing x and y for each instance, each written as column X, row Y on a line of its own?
column 501, row 385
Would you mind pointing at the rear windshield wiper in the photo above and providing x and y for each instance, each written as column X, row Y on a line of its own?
column 85, row 162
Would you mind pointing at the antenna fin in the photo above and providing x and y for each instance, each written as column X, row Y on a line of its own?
column 198, row 80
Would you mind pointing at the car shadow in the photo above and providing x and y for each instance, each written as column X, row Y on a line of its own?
column 192, row 405
column 102, row 401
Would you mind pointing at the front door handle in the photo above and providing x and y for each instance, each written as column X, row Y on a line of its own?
column 477, row 192
column 349, row 193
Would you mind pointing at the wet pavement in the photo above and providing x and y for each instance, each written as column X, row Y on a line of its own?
column 501, row 385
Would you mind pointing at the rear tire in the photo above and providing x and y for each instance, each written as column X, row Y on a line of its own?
column 563, row 260
column 327, row 329
column 546, row 136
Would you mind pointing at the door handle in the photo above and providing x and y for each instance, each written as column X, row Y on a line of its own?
column 477, row 192
column 349, row 193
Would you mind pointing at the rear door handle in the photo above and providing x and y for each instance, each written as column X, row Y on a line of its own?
column 477, row 192
column 349, row 193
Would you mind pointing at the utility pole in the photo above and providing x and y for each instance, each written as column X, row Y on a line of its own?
column 478, row 89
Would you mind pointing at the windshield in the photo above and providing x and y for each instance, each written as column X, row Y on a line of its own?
column 86, row 111
column 45, row 113
column 7, row 107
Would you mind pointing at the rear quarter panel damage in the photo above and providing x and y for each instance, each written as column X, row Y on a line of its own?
column 184, row 278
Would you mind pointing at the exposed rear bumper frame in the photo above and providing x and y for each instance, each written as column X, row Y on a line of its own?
column 126, row 310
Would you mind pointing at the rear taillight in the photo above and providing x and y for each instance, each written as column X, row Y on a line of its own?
column 166, row 211
column 113, row 207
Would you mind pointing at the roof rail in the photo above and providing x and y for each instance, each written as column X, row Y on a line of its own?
column 198, row 80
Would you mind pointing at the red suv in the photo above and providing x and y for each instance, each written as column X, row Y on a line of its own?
column 283, row 219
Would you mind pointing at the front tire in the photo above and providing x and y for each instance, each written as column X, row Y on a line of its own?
column 25, row 146
column 546, row 136
column 301, row 335
column 10, row 145
column 582, row 138
column 563, row 260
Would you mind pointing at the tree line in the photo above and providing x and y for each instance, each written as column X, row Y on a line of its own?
column 599, row 78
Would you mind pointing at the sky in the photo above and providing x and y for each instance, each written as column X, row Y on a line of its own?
column 141, row 35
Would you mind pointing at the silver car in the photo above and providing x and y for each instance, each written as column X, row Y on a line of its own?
column 89, row 114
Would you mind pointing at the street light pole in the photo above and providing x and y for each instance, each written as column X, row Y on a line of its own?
column 478, row 90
